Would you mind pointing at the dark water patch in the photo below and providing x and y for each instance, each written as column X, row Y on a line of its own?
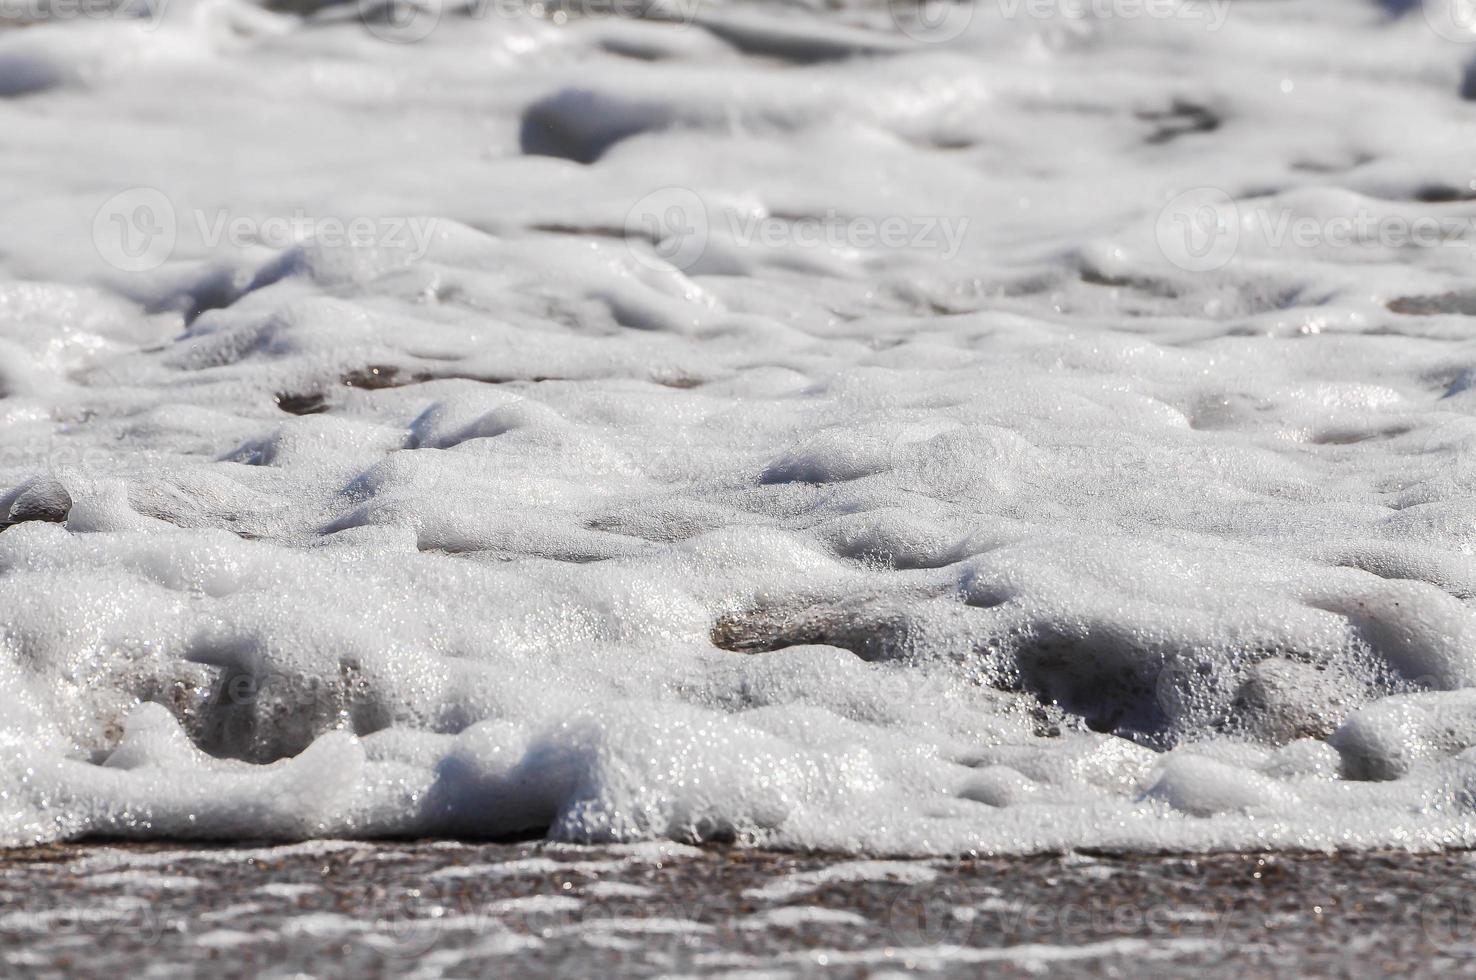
column 378, row 378
column 577, row 125
column 581, row 231
column 1460, row 304
column 1443, row 194
column 1182, row 118
column 311, row 404
column 1348, row 436
column 795, row 43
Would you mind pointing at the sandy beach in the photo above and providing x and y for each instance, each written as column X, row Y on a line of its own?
column 873, row 439
column 447, row 909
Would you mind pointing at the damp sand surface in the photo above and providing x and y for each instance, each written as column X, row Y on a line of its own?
column 445, row 909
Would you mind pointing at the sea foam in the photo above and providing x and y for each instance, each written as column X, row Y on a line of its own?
column 891, row 481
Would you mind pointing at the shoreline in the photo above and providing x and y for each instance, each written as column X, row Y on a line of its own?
column 450, row 908
column 48, row 851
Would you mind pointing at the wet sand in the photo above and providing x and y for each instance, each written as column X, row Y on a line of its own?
column 446, row 909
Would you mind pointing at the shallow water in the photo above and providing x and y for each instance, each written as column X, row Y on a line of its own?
column 983, row 429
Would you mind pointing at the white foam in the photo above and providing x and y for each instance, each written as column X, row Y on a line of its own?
column 803, row 882
column 1016, row 535
column 533, row 904
column 795, row 916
